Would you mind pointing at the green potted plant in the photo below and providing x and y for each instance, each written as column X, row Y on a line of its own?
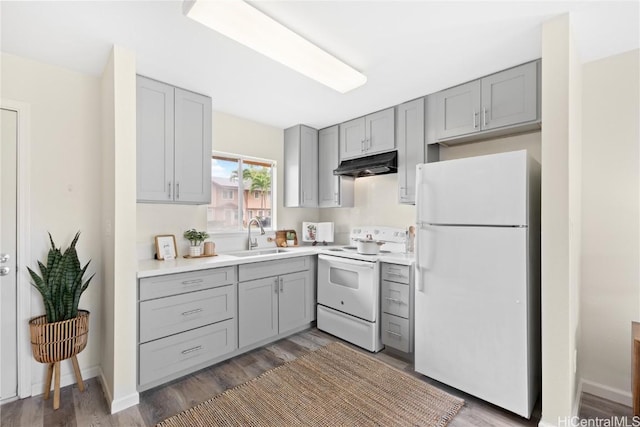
column 62, row 332
column 291, row 238
column 195, row 238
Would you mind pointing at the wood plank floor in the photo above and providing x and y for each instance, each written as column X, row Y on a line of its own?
column 90, row 409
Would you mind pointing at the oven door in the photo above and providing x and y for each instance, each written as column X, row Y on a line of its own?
column 349, row 286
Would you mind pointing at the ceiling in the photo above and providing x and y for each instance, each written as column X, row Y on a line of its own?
column 406, row 48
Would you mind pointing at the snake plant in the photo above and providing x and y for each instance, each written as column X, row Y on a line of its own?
column 61, row 281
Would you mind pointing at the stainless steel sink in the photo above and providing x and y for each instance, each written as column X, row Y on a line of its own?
column 258, row 252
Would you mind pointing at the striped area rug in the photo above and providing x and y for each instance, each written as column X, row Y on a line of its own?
column 332, row 386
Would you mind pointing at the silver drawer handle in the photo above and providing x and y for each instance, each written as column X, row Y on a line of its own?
column 397, row 301
column 192, row 282
column 394, row 333
column 395, row 274
column 190, row 312
column 192, row 349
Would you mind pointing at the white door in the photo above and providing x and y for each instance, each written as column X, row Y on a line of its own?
column 483, row 190
column 8, row 279
column 472, row 328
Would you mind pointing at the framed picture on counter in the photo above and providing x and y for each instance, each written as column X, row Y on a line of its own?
column 166, row 247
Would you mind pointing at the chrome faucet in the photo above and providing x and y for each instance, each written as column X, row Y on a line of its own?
column 254, row 243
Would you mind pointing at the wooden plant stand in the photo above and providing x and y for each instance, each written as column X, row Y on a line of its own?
column 53, row 342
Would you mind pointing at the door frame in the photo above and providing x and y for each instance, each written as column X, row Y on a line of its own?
column 23, row 238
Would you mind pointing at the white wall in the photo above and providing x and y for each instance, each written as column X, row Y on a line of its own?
column 376, row 197
column 119, row 225
column 65, row 182
column 610, row 292
column 527, row 141
column 561, row 105
column 231, row 134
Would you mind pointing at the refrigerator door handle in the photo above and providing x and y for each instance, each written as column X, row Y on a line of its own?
column 419, row 282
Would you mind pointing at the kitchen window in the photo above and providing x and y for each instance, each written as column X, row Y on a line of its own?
column 241, row 189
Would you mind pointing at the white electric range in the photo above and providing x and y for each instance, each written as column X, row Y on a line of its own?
column 349, row 287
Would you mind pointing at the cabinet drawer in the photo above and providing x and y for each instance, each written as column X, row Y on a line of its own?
column 167, row 316
column 395, row 298
column 258, row 270
column 396, row 273
column 396, row 332
column 172, row 284
column 173, row 354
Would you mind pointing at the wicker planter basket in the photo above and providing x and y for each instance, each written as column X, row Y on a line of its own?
column 53, row 342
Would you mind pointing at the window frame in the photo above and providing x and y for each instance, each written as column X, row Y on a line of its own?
column 271, row 194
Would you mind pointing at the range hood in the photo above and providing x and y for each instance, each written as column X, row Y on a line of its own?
column 378, row 164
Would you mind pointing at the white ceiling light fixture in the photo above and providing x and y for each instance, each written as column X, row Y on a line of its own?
column 247, row 25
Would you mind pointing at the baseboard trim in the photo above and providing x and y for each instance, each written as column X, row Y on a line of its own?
column 576, row 399
column 120, row 404
column 67, row 379
column 125, row 402
column 105, row 389
column 615, row 395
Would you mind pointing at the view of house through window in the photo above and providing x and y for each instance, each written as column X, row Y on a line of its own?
column 240, row 190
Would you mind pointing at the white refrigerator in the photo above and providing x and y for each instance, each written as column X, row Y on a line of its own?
column 477, row 299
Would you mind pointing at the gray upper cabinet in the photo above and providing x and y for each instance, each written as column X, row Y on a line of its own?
column 458, row 109
column 510, row 97
column 333, row 191
column 500, row 101
column 301, row 167
column 192, row 165
column 364, row 136
column 173, row 144
column 410, row 141
column 154, row 135
column 352, row 139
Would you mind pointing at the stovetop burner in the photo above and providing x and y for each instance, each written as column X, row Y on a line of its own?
column 394, row 242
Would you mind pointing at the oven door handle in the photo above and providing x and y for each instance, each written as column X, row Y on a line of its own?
column 347, row 261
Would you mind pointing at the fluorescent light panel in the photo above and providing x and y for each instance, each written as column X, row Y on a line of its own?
column 247, row 25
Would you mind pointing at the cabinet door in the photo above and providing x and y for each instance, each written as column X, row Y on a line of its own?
column 410, row 137
column 154, row 145
column 333, row 191
column 328, row 160
column 458, row 110
column 294, row 294
column 257, row 310
column 352, row 137
column 308, row 167
column 192, row 147
column 510, row 97
column 380, row 132
column 300, row 167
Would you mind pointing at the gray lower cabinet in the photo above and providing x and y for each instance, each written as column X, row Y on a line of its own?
column 502, row 100
column 173, row 144
column 177, row 353
column 301, row 167
column 185, row 321
column 274, row 305
column 397, row 306
column 333, row 191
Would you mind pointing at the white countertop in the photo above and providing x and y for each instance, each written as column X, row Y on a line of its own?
column 152, row 268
